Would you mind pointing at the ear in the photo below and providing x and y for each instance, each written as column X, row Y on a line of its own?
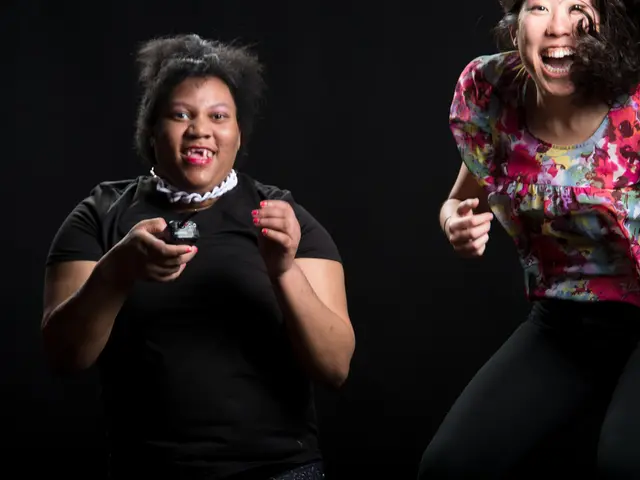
column 513, row 33
column 152, row 150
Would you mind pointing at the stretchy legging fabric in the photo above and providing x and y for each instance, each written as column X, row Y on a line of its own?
column 567, row 362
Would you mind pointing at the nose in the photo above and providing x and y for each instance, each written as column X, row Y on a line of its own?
column 560, row 24
column 199, row 128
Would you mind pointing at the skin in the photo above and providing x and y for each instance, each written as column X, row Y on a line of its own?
column 551, row 114
column 82, row 299
column 199, row 112
column 549, row 23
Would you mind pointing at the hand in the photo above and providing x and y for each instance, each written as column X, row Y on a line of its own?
column 279, row 235
column 141, row 254
column 468, row 233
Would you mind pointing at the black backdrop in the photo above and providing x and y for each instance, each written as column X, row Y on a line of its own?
column 355, row 125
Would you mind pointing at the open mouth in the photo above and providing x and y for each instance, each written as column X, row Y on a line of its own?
column 198, row 155
column 558, row 60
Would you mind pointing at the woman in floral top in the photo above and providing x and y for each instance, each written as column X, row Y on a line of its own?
column 549, row 134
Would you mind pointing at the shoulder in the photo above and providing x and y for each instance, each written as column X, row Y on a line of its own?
column 270, row 192
column 79, row 237
column 623, row 116
column 490, row 77
column 262, row 191
column 499, row 69
column 103, row 196
column 631, row 101
column 113, row 189
column 316, row 241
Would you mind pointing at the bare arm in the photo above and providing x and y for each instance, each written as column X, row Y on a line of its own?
column 312, row 295
column 82, row 299
column 465, row 187
column 80, row 305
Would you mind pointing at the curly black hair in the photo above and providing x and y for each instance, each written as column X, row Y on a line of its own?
column 607, row 60
column 167, row 61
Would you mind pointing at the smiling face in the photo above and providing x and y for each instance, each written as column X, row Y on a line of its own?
column 196, row 137
column 546, row 40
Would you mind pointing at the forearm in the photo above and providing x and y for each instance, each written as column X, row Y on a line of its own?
column 76, row 331
column 323, row 340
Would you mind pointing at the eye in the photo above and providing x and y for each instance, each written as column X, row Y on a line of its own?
column 585, row 13
column 180, row 115
column 537, row 8
column 219, row 116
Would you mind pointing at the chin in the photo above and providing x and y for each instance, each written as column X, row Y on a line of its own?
column 556, row 87
column 198, row 186
column 561, row 91
column 189, row 183
column 198, row 178
column 201, row 184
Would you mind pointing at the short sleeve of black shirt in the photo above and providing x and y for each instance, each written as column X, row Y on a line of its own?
column 80, row 235
column 315, row 240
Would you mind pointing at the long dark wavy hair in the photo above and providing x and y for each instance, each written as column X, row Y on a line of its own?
column 607, row 60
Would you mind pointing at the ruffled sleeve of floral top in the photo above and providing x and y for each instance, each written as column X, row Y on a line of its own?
column 573, row 211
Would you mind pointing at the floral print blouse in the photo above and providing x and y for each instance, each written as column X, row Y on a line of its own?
column 572, row 210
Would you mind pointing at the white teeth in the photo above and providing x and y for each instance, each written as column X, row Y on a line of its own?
column 201, row 152
column 558, row 70
column 560, row 52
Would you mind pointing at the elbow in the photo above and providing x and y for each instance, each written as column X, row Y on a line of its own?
column 342, row 367
column 331, row 375
column 338, row 378
column 65, row 363
column 338, row 374
column 63, row 359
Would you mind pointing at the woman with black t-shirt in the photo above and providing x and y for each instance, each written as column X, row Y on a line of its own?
column 207, row 300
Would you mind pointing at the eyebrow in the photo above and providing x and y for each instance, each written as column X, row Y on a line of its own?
column 588, row 3
column 188, row 105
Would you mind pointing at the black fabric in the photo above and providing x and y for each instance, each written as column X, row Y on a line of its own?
column 571, row 371
column 198, row 375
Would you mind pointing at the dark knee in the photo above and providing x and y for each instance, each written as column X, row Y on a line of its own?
column 436, row 463
column 441, row 460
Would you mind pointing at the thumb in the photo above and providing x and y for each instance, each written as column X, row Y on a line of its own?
column 466, row 207
column 153, row 225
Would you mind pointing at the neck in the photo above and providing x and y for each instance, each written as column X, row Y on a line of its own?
column 190, row 201
column 563, row 119
column 190, row 207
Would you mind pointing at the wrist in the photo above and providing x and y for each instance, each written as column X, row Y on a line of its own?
column 445, row 224
column 282, row 276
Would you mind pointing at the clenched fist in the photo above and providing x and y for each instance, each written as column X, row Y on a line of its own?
column 467, row 232
column 142, row 254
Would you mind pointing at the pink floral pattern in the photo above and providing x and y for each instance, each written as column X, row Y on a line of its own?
column 573, row 210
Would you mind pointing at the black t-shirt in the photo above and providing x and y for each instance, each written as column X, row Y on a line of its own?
column 198, row 375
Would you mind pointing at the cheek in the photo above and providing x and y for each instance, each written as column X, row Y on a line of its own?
column 167, row 142
column 229, row 138
column 529, row 55
column 528, row 49
column 169, row 137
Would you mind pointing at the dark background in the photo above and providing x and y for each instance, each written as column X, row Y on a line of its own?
column 355, row 126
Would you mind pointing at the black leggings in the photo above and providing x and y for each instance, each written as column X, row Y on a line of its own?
column 569, row 361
